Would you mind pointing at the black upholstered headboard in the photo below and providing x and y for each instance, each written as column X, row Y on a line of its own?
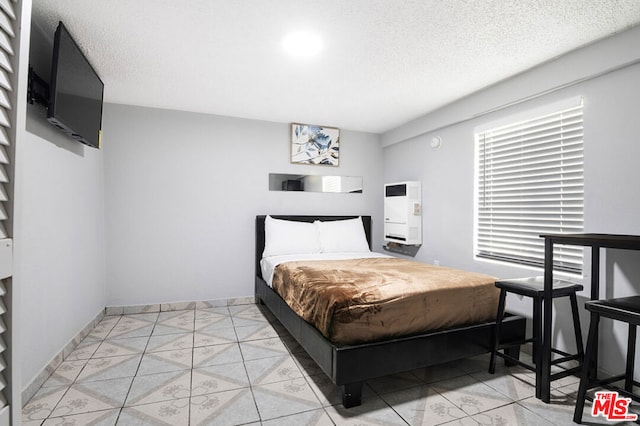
column 366, row 221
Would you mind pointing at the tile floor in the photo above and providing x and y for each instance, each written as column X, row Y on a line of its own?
column 237, row 365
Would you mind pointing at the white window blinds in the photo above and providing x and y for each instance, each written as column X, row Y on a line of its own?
column 530, row 182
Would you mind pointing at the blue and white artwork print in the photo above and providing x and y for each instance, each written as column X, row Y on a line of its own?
column 315, row 144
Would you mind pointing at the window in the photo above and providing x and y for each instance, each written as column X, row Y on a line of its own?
column 529, row 181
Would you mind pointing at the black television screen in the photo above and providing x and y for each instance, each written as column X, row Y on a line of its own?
column 75, row 103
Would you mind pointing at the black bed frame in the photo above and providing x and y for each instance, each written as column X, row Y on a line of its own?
column 348, row 366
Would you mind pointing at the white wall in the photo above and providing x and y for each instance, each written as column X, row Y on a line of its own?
column 612, row 200
column 59, row 259
column 59, row 234
column 183, row 190
column 609, row 53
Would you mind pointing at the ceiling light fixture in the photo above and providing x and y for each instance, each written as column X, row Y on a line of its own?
column 302, row 44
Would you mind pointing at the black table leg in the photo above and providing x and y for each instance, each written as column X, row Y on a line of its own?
column 543, row 368
column 595, row 295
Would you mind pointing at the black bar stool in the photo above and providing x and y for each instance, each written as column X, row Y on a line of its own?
column 534, row 288
column 625, row 309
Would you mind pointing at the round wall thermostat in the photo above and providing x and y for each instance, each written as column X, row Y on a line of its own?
column 435, row 142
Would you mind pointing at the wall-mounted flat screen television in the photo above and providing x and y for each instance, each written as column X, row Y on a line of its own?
column 75, row 90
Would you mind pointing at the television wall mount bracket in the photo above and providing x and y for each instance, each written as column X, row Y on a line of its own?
column 37, row 89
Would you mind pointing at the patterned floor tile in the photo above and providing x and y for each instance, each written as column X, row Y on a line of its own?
column 261, row 330
column 218, row 378
column 159, row 387
column 474, row 364
column 308, row 418
column 285, row 398
column 104, row 327
column 272, row 369
column 191, row 368
column 219, row 321
column 519, row 384
column 94, row 418
column 85, row 349
column 213, row 318
column 246, row 311
column 394, row 382
column 166, row 413
column 43, row 403
column 466, row 421
column 559, row 411
column 120, row 347
column 291, row 343
column 249, row 315
column 245, row 322
column 215, row 303
column 232, row 407
column 569, row 390
column 213, row 335
column 24, row 422
column 216, row 354
column 512, row 414
column 168, row 342
column 307, row 365
column 248, row 300
column 66, row 373
column 175, row 322
column 263, row 348
column 373, row 411
column 216, row 310
column 470, row 395
column 131, row 331
column 110, row 368
column 138, row 325
column 93, row 396
column 180, row 315
column 178, row 306
column 141, row 309
column 166, row 361
column 149, row 317
column 202, row 312
column 564, row 382
column 330, row 394
column 422, row 405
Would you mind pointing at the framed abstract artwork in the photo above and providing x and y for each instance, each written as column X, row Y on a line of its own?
column 312, row 144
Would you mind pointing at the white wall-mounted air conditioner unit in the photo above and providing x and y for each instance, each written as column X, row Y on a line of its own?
column 403, row 213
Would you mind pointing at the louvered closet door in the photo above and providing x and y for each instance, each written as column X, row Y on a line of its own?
column 8, row 61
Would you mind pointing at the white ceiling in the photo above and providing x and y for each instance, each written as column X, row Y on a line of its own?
column 384, row 62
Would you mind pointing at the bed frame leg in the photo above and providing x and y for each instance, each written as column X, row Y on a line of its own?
column 513, row 351
column 352, row 394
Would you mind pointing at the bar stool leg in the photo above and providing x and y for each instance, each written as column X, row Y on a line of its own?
column 576, row 326
column 537, row 343
column 589, row 357
column 631, row 351
column 496, row 337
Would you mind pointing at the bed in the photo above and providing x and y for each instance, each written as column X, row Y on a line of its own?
column 341, row 359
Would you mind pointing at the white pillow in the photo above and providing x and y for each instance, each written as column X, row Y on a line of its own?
column 289, row 237
column 342, row 236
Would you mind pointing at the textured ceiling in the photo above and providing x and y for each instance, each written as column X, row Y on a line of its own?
column 384, row 62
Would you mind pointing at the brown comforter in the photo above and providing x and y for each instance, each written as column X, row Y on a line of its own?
column 360, row 300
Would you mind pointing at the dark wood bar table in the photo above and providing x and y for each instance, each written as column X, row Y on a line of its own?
column 596, row 242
